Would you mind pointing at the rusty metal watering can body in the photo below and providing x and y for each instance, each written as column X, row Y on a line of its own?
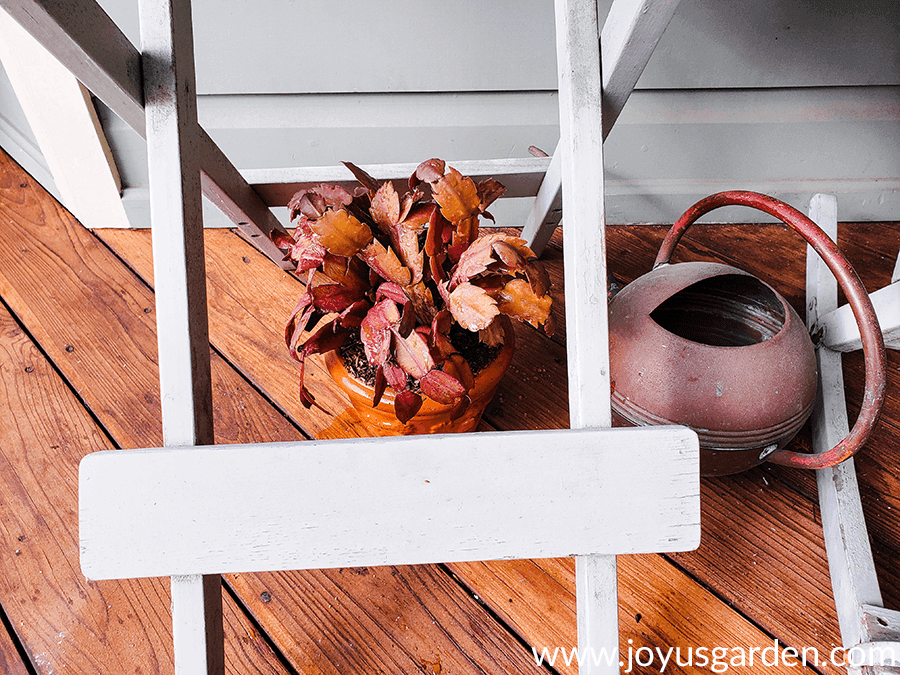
column 714, row 348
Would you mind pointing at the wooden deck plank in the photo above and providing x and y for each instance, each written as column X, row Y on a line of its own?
column 537, row 598
column 67, row 623
column 114, row 374
column 11, row 662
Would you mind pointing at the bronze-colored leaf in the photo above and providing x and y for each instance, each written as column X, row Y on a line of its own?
column 493, row 335
column 341, row 233
column 385, row 263
column 472, row 307
column 423, row 302
column 537, row 276
column 385, row 207
column 459, row 368
column 508, row 255
column 348, row 272
column 489, row 191
column 519, row 301
column 406, row 405
column 442, row 387
column 457, row 196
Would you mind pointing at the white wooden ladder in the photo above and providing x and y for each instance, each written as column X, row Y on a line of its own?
column 590, row 492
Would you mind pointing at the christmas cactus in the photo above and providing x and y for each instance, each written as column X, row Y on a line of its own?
column 399, row 270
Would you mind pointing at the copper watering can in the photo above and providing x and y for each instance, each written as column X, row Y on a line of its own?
column 714, row 348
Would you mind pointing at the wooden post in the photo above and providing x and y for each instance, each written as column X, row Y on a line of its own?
column 180, row 273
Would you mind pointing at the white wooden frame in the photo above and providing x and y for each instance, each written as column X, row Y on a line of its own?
column 574, row 514
column 864, row 623
column 65, row 124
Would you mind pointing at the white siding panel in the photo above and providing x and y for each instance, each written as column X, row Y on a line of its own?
column 282, row 46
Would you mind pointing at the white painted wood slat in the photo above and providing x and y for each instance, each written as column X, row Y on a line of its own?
column 180, row 273
column 438, row 498
column 64, row 122
column 521, row 176
column 630, row 33
column 841, row 331
column 87, row 42
column 584, row 250
column 850, row 560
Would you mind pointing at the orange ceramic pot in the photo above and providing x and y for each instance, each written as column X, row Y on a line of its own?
column 433, row 418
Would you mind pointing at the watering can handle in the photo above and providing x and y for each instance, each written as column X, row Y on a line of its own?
column 863, row 312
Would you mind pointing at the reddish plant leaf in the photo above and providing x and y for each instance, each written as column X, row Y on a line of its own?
column 395, row 375
column 333, row 297
column 392, row 291
column 407, row 320
column 411, row 354
column 367, row 181
column 520, row 302
column 423, row 302
column 341, row 233
column 430, row 170
column 406, row 208
column 281, row 239
column 442, row 387
column 442, row 348
column 475, row 259
column 472, row 307
column 329, row 337
column 306, row 251
column 352, row 316
column 406, row 405
column 304, row 302
column 442, row 322
column 375, row 331
column 379, row 386
column 385, row 263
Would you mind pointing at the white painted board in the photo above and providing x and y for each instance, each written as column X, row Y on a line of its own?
column 419, row 499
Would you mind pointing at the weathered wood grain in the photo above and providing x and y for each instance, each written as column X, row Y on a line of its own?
column 11, row 662
column 98, row 304
column 537, row 599
column 65, row 622
column 407, row 620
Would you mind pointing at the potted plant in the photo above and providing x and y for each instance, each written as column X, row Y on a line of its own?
column 420, row 301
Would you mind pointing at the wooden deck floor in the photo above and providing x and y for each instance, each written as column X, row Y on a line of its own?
column 78, row 373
